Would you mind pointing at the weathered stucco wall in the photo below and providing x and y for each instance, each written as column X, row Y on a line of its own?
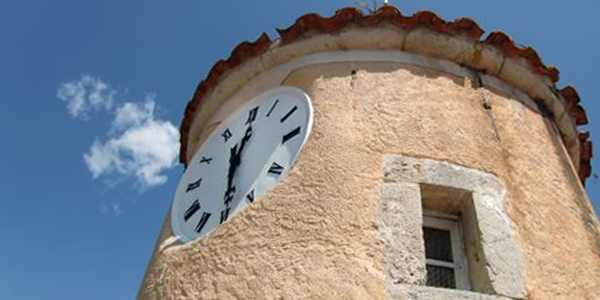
column 315, row 236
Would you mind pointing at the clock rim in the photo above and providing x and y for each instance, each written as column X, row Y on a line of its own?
column 290, row 90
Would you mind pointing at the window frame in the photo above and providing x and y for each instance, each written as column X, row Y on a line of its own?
column 452, row 224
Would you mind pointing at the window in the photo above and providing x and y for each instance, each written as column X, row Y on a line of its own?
column 415, row 188
column 445, row 258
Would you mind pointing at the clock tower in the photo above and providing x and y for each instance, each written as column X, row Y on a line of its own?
column 380, row 156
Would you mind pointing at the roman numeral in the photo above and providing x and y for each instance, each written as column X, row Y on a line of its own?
column 252, row 115
column 272, row 107
column 289, row 114
column 206, row 160
column 224, row 215
column 250, row 196
column 193, row 185
column 275, row 169
column 202, row 221
column 291, row 134
column 226, row 135
column 191, row 210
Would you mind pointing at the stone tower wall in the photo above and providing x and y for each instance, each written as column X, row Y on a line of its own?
column 385, row 123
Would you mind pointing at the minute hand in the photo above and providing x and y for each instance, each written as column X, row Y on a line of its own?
column 245, row 140
column 234, row 162
column 235, row 159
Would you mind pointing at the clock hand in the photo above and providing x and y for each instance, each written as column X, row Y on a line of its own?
column 235, row 159
column 234, row 162
column 245, row 140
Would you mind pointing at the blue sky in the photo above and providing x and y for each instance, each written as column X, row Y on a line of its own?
column 85, row 83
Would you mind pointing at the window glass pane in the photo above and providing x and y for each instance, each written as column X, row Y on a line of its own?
column 437, row 244
column 440, row 277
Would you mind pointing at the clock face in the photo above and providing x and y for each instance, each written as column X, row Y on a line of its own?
column 248, row 153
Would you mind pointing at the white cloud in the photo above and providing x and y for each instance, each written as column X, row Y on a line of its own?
column 142, row 147
column 137, row 146
column 133, row 114
column 86, row 94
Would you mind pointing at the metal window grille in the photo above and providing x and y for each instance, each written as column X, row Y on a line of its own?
column 445, row 258
column 441, row 277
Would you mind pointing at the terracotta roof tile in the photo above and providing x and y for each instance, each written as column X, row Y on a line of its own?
column 572, row 102
column 505, row 44
column 312, row 24
column 315, row 24
column 585, row 167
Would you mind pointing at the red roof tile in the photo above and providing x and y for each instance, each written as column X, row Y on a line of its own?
column 312, row 24
column 315, row 24
column 585, row 167
column 575, row 110
column 505, row 44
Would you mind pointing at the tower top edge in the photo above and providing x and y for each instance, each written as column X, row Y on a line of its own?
column 421, row 33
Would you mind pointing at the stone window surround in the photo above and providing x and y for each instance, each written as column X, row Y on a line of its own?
column 499, row 271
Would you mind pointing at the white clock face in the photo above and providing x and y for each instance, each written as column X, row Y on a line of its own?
column 244, row 157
